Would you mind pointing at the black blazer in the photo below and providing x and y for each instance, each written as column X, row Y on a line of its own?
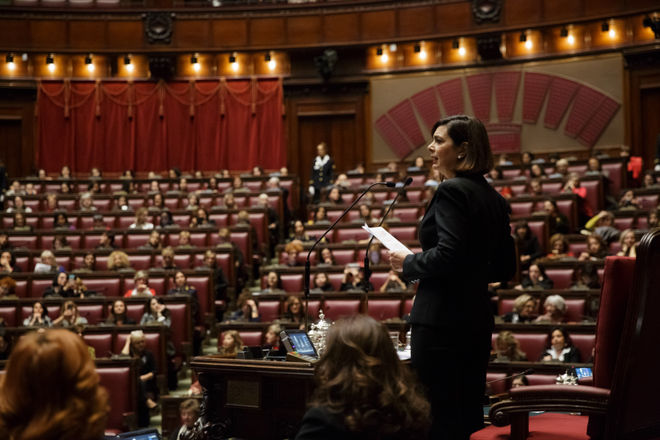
column 467, row 243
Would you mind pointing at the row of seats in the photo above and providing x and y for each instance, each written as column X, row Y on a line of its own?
column 580, row 303
column 106, row 203
column 111, row 186
column 116, row 284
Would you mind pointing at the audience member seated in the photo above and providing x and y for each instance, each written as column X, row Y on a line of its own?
column 181, row 287
column 231, row 344
column 628, row 244
column 326, row 258
column 334, row 197
column 61, row 221
column 596, row 249
column 629, row 201
column 141, row 220
column 69, row 316
column 652, row 220
column 47, row 263
column 561, row 169
column 39, row 316
column 536, row 279
column 554, row 308
column 559, row 249
column 156, row 312
column 106, row 242
column 20, row 224
column 86, row 203
column 62, row 286
column 118, row 260
column 60, row 243
column 295, row 312
column 524, row 310
column 153, row 243
column 558, row 222
column 272, row 337
column 19, row 206
column 393, row 283
column 201, row 220
column 559, row 348
column 529, row 248
column 136, row 347
column 374, row 253
column 585, row 276
column 165, row 220
column 353, row 280
column 507, row 348
column 219, row 280
column 603, row 225
column 7, row 288
column 320, row 216
column 118, row 314
column 366, row 215
column 363, row 389
column 167, row 259
column 273, row 283
column 536, row 171
column 298, row 232
column 648, row 180
column 8, row 262
column 184, row 241
column 520, row 381
column 321, row 283
column 88, row 264
column 51, row 390
column 189, row 415
column 141, row 281
column 52, row 203
column 247, row 309
column 121, row 203
column 292, row 250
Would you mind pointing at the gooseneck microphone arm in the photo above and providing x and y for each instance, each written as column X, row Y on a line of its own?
column 367, row 269
column 307, row 264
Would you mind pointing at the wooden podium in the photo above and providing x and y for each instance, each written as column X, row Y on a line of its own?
column 255, row 399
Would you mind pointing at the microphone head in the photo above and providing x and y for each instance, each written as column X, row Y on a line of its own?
column 390, row 184
column 408, row 181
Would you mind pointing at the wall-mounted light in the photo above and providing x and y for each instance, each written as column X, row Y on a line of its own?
column 128, row 64
column 89, row 63
column 272, row 64
column 50, row 62
column 195, row 63
column 233, row 63
column 10, row 61
column 421, row 53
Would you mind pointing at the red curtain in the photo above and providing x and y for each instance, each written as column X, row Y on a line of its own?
column 200, row 125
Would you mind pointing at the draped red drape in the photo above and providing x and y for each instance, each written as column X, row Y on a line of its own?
column 201, row 125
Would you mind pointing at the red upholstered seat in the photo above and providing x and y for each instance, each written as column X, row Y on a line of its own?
column 136, row 203
column 221, row 220
column 336, row 279
column 337, row 308
column 39, row 286
column 594, row 196
column 242, row 240
column 542, row 427
column 92, row 240
column 542, row 379
column 350, row 234
column 378, row 279
column 407, row 306
column 404, row 233
column 23, row 263
column 134, row 241
column 26, row 311
column 511, row 173
column 250, row 338
column 156, row 283
column 181, row 261
column 122, row 387
column 22, row 288
column 92, row 312
column 104, row 286
column 172, row 203
column 648, row 201
column 533, row 344
column 102, row 343
column 521, row 209
column 575, row 310
column 269, row 310
column 8, row 315
column 314, row 308
column 406, row 214
column 202, row 284
column 622, row 223
column 551, row 187
column 153, row 344
column 181, row 326
column 561, row 277
column 102, row 204
column 124, row 221
column 584, row 343
column 343, row 256
column 183, row 220
column 135, row 311
column 140, row 262
column 577, row 247
column 496, row 383
column 24, row 241
column 414, row 195
column 292, row 282
column 382, row 309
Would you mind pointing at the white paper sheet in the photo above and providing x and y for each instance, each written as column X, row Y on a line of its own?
column 387, row 239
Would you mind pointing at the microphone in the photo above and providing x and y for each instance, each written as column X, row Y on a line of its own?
column 343, row 214
column 524, row 373
column 367, row 270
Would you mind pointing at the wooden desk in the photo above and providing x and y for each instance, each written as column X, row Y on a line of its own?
column 255, row 399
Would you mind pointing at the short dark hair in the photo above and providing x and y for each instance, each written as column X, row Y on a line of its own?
column 470, row 131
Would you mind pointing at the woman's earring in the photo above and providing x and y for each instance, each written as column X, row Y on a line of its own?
column 460, row 156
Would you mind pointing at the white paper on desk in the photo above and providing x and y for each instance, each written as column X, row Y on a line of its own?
column 387, row 239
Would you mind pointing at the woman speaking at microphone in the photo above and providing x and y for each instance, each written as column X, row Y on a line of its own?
column 466, row 244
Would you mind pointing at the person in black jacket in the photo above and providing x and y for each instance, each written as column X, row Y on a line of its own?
column 559, row 347
column 529, row 248
column 536, row 279
column 363, row 391
column 136, row 347
column 466, row 244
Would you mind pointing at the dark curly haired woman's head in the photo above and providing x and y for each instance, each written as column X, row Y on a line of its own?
column 361, row 379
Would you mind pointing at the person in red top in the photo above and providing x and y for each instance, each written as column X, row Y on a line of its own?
column 141, row 288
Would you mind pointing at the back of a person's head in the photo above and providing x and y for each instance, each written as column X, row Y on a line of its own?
column 361, row 378
column 51, row 390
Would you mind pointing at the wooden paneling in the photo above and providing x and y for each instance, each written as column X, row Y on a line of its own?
column 603, row 6
column 229, row 33
column 562, row 9
column 127, row 34
column 379, row 25
column 341, row 28
column 453, row 17
column 14, row 33
column 17, row 130
column 49, row 33
column 304, row 30
column 267, row 32
column 416, row 21
column 521, row 11
column 189, row 33
column 87, row 34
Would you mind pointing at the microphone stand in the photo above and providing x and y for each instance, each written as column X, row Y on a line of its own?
column 307, row 263
column 367, row 269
